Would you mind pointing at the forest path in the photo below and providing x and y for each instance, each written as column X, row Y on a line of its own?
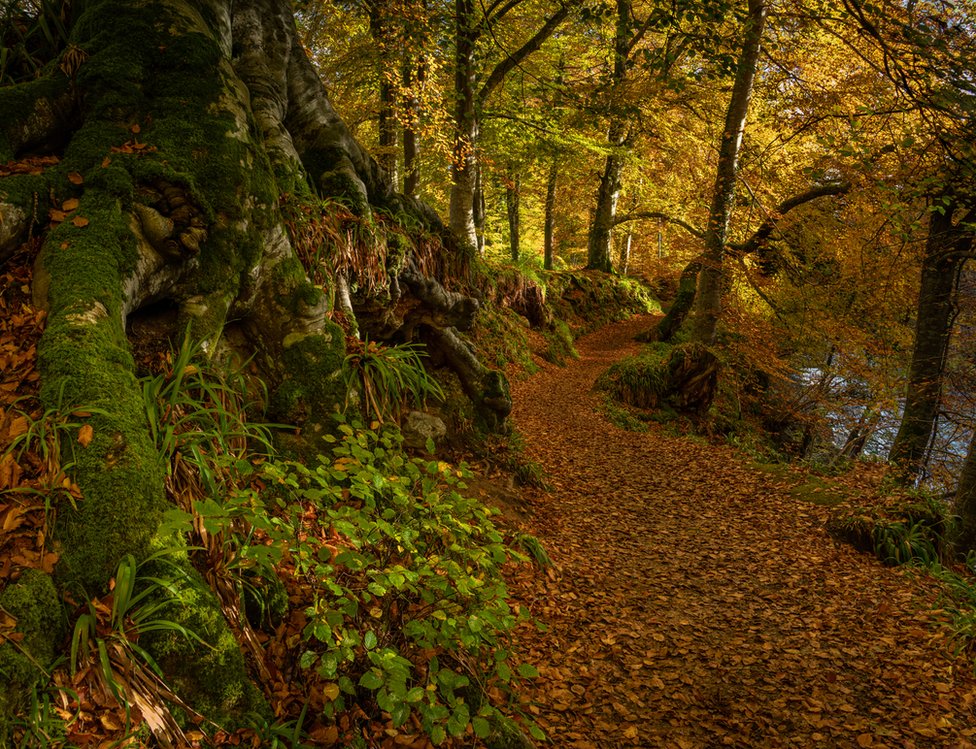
column 697, row 604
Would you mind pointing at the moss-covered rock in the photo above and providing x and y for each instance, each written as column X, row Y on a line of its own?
column 684, row 377
column 312, row 383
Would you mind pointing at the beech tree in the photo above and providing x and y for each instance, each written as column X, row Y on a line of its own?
column 177, row 127
column 472, row 88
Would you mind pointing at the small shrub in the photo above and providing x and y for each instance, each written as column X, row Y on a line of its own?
column 408, row 613
column 387, row 377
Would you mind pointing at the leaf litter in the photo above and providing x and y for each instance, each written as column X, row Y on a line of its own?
column 699, row 604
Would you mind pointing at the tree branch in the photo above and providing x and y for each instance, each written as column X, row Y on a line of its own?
column 515, row 58
column 768, row 226
column 638, row 215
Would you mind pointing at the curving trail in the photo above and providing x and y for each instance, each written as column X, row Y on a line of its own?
column 698, row 605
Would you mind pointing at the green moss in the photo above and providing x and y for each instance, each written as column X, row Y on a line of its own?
column 588, row 300
column 312, row 384
column 335, row 177
column 559, row 344
column 28, row 192
column 500, row 336
column 85, row 362
column 26, row 100
column 639, row 380
column 33, row 601
column 296, row 293
column 212, row 678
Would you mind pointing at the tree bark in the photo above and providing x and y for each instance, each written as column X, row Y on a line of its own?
column 469, row 105
column 512, row 199
column 386, row 120
column 708, row 300
column 463, row 175
column 412, row 76
column 550, row 219
column 188, row 121
column 945, row 247
column 600, row 236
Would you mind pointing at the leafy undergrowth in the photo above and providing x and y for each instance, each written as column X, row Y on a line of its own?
column 698, row 601
column 531, row 317
column 365, row 589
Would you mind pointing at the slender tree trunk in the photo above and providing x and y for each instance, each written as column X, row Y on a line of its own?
column 480, row 210
column 600, row 236
column 550, row 220
column 379, row 30
column 464, row 171
column 465, row 200
column 412, row 76
column 708, row 301
column 625, row 253
column 933, row 327
column 512, row 199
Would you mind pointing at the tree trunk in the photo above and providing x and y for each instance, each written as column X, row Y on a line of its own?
column 965, row 508
column 601, row 230
column 625, row 253
column 185, row 124
column 550, row 220
column 379, row 30
column 671, row 323
column 479, row 208
column 600, row 237
column 411, row 136
column 944, row 246
column 512, row 197
column 466, row 198
column 708, row 301
column 466, row 126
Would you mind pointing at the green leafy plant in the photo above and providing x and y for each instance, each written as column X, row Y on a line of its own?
column 41, row 725
column 387, row 377
column 31, row 34
column 105, row 641
column 905, row 543
column 408, row 615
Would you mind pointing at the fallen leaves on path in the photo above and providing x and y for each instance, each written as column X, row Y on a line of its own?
column 699, row 604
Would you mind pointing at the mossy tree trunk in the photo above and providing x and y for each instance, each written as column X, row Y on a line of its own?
column 179, row 128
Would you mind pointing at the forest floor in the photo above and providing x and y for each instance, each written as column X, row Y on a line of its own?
column 697, row 603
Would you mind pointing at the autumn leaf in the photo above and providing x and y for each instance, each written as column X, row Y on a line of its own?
column 69, row 205
column 80, row 221
column 85, row 435
column 75, row 178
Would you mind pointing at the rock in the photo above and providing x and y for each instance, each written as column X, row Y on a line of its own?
column 418, row 427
